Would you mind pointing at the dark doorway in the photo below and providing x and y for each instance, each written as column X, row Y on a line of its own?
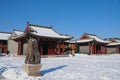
column 45, row 49
column 98, row 49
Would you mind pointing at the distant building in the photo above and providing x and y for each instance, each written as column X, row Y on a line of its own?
column 71, row 45
column 92, row 44
column 50, row 42
column 3, row 41
column 114, row 45
column 13, row 45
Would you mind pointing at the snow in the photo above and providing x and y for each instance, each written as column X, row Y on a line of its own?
column 91, row 38
column 4, row 36
column 47, row 32
column 114, row 44
column 117, row 40
column 84, row 40
column 18, row 32
column 79, row 67
column 98, row 39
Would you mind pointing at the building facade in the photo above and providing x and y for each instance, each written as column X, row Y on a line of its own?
column 50, row 42
column 4, row 41
column 113, row 46
column 92, row 44
column 13, row 45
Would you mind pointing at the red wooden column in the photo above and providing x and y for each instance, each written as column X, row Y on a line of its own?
column 102, row 51
column 41, row 48
column 89, row 48
column 58, row 49
column 95, row 52
column 105, row 50
column 19, row 48
column 94, row 49
column 63, row 49
column 1, row 46
column 38, row 45
column 117, row 49
column 54, row 51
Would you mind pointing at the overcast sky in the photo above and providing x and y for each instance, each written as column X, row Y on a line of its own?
column 72, row 17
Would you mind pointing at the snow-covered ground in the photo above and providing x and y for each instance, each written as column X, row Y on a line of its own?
column 80, row 67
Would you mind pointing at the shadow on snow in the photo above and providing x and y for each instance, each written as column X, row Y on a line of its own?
column 43, row 72
column 2, row 70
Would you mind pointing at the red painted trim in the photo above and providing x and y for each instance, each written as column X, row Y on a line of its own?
column 54, row 51
column 19, row 48
column 84, row 37
column 95, row 52
column 27, row 30
column 62, row 49
column 4, row 50
column 117, row 49
column 89, row 48
column 105, row 49
column 93, row 49
column 3, row 47
column 41, row 50
column 58, row 49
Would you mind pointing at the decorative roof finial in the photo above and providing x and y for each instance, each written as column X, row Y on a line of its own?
column 27, row 22
column 51, row 26
column 14, row 29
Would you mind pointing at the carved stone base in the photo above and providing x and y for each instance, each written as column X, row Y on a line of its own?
column 33, row 69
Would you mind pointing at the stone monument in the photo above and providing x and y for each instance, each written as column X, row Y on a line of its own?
column 33, row 58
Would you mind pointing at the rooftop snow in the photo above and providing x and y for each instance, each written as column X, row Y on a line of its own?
column 97, row 39
column 4, row 36
column 91, row 38
column 84, row 40
column 47, row 32
column 113, row 44
column 18, row 32
column 70, row 41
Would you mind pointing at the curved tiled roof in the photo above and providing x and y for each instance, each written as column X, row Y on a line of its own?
column 43, row 31
column 18, row 32
column 114, row 44
column 47, row 32
column 92, row 37
column 4, row 35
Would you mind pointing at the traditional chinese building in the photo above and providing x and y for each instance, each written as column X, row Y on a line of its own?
column 71, row 44
column 13, row 45
column 92, row 44
column 50, row 42
column 114, row 45
column 3, row 41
